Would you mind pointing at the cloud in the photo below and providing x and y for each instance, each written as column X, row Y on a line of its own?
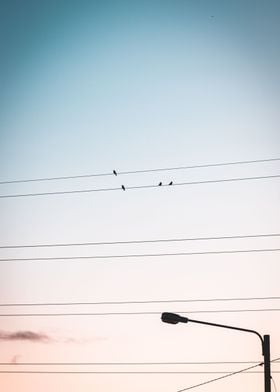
column 39, row 337
column 24, row 336
column 83, row 341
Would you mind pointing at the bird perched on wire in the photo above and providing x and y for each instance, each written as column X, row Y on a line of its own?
column 171, row 183
column 123, row 187
column 114, row 172
column 160, row 184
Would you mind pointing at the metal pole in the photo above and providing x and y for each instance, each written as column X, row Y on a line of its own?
column 266, row 354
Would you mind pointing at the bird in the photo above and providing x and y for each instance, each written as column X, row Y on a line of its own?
column 123, row 187
column 160, row 184
column 114, row 172
column 171, row 183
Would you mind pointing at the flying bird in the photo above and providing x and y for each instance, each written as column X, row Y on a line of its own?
column 123, row 187
column 171, row 183
column 114, row 172
column 160, row 184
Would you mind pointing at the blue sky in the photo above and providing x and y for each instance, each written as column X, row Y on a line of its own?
column 88, row 87
column 114, row 68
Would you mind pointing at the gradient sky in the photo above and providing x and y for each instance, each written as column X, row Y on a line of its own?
column 92, row 86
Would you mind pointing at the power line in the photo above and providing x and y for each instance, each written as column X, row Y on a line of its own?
column 80, row 191
column 136, row 372
column 121, row 363
column 136, row 313
column 141, row 171
column 139, row 302
column 160, row 240
column 274, row 384
column 122, row 256
column 220, row 378
column 123, row 372
column 120, row 372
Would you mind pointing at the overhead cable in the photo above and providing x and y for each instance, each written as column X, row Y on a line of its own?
column 160, row 240
column 135, row 313
column 122, row 372
column 139, row 302
column 122, row 363
column 119, row 173
column 247, row 370
column 220, row 378
column 274, row 384
column 144, row 255
column 122, row 188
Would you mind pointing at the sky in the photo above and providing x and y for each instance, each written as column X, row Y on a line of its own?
column 90, row 87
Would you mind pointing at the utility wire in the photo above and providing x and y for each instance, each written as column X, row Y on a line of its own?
column 220, row 378
column 80, row 191
column 122, row 372
column 141, row 171
column 274, row 384
column 160, row 240
column 137, row 372
column 136, row 313
column 139, row 302
column 123, row 256
column 122, row 363
column 143, row 372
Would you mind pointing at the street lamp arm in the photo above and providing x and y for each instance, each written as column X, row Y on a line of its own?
column 228, row 327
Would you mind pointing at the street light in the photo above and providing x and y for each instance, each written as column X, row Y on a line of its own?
column 173, row 318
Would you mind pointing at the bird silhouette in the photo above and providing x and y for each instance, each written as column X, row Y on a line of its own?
column 123, row 187
column 114, row 172
column 160, row 184
column 171, row 183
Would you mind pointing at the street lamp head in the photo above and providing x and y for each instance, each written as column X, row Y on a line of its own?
column 173, row 318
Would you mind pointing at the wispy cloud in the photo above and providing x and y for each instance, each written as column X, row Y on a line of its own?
column 39, row 337
column 25, row 336
column 84, row 340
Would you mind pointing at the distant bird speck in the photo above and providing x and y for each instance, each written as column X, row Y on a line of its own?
column 160, row 184
column 114, row 171
column 123, row 187
column 171, row 183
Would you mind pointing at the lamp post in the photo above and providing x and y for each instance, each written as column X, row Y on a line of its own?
column 172, row 318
